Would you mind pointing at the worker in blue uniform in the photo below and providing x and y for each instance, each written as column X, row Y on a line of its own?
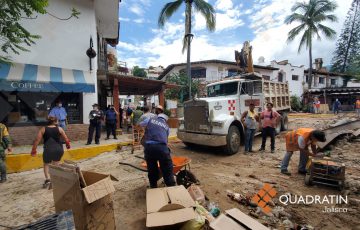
column 60, row 113
column 156, row 149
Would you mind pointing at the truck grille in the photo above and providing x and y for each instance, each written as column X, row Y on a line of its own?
column 196, row 117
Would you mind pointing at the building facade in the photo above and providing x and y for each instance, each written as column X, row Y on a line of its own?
column 57, row 67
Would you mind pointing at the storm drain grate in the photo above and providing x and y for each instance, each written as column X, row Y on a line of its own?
column 60, row 221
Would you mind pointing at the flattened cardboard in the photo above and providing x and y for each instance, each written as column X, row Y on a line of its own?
column 94, row 212
column 168, row 206
column 236, row 220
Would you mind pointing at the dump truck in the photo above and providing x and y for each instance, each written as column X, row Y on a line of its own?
column 216, row 119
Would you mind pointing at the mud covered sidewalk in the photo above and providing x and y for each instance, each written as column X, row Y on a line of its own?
column 23, row 200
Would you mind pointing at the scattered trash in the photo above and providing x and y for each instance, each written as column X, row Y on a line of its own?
column 237, row 174
column 214, row 209
column 241, row 199
column 196, row 193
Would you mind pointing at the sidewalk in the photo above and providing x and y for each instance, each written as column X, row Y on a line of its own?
column 124, row 139
column 21, row 160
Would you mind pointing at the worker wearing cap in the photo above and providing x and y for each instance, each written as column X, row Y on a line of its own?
column 156, row 149
column 300, row 140
column 5, row 143
column 95, row 116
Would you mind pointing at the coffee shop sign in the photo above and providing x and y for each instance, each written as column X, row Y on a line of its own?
column 26, row 85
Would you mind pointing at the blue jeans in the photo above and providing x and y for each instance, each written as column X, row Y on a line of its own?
column 249, row 137
column 302, row 161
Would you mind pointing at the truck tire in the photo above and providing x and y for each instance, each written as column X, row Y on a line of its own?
column 284, row 122
column 189, row 145
column 233, row 140
column 278, row 128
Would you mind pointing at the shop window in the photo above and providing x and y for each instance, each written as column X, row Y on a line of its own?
column 333, row 81
column 295, row 77
column 321, row 80
column 306, row 79
column 280, row 77
column 29, row 108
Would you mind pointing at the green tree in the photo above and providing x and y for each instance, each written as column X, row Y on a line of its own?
column 13, row 36
column 295, row 103
column 181, row 93
column 205, row 10
column 139, row 72
column 311, row 17
column 348, row 45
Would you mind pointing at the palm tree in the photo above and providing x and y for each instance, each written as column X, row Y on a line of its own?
column 311, row 17
column 200, row 6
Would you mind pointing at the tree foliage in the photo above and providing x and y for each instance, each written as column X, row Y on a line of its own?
column 311, row 17
column 201, row 6
column 13, row 36
column 295, row 103
column 347, row 54
column 139, row 72
column 182, row 93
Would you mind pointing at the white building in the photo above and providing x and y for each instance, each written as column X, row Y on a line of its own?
column 57, row 66
column 294, row 75
column 154, row 72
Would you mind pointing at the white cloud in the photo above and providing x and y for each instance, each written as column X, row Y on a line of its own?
column 271, row 34
column 223, row 5
column 124, row 19
column 229, row 19
column 136, row 9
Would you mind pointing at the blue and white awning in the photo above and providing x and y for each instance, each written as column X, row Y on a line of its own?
column 34, row 78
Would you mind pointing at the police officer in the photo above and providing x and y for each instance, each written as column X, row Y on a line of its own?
column 5, row 143
column 110, row 122
column 95, row 116
column 60, row 113
column 156, row 149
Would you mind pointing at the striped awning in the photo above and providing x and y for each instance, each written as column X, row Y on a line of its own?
column 35, row 78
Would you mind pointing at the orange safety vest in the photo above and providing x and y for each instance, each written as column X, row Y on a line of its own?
column 358, row 104
column 292, row 138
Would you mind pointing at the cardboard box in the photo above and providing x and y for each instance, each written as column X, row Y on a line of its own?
column 168, row 206
column 234, row 219
column 87, row 194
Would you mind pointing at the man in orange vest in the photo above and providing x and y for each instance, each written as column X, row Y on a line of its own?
column 357, row 106
column 300, row 140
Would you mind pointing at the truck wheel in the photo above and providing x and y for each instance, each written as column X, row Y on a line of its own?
column 278, row 128
column 233, row 140
column 189, row 145
column 284, row 122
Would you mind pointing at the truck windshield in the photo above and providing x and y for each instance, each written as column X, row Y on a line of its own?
column 224, row 89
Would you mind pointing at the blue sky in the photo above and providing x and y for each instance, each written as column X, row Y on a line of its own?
column 259, row 21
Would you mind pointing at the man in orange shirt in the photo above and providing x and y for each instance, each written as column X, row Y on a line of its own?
column 357, row 106
column 300, row 140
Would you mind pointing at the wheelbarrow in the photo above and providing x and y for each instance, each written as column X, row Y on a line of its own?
column 181, row 169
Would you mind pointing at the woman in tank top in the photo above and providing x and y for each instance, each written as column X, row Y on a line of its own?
column 53, row 146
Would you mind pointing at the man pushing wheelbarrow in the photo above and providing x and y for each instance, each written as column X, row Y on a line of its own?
column 156, row 148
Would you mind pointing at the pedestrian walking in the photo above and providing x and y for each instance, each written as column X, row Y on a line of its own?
column 53, row 147
column 121, row 115
column 5, row 144
column 60, row 113
column 137, row 114
column 357, row 106
column 249, row 119
column 336, row 106
column 95, row 116
column 270, row 119
column 156, row 148
column 110, row 122
column 300, row 140
column 129, row 118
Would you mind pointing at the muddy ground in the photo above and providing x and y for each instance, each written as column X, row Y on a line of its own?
column 22, row 200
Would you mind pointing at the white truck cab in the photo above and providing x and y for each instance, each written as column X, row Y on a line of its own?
column 216, row 119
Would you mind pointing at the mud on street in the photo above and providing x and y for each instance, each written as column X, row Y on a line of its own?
column 23, row 200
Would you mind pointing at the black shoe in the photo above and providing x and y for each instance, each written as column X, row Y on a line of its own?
column 302, row 172
column 285, row 172
column 115, row 138
column 98, row 143
column 107, row 138
column 273, row 150
column 47, row 183
column 261, row 150
column 88, row 143
column 250, row 151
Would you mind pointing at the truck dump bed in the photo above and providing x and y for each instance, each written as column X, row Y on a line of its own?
column 278, row 94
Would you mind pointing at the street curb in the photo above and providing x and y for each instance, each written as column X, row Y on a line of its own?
column 24, row 161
